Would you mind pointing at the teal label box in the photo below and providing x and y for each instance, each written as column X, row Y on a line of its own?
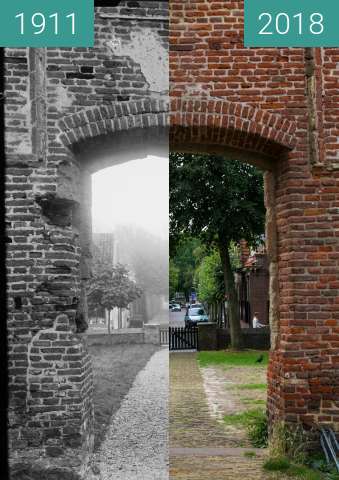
column 291, row 23
column 47, row 23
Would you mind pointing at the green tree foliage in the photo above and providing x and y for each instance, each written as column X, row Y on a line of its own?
column 209, row 278
column 111, row 287
column 186, row 256
column 219, row 202
column 173, row 278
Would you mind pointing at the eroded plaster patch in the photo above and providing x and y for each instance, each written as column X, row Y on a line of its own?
column 63, row 99
column 145, row 49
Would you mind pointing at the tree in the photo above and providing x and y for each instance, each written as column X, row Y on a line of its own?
column 173, row 278
column 218, row 201
column 111, row 286
column 209, row 278
column 210, row 284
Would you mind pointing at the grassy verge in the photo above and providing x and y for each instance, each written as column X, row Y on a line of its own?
column 255, row 421
column 242, row 418
column 253, row 401
column 228, row 358
column 252, row 386
column 302, row 472
column 114, row 370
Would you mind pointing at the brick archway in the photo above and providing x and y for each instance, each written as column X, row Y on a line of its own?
column 112, row 118
column 267, row 140
column 128, row 130
column 219, row 125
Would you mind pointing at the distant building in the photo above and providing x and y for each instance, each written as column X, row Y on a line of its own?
column 105, row 247
column 253, row 285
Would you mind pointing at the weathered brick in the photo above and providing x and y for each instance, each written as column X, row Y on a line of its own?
column 225, row 96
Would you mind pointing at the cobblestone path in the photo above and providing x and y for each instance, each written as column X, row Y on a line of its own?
column 136, row 447
column 200, row 448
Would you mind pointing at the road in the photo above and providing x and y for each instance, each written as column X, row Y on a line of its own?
column 177, row 318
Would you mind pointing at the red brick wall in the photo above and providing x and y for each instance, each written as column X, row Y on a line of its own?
column 221, row 93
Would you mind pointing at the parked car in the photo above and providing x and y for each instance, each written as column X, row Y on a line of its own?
column 196, row 305
column 176, row 307
column 194, row 316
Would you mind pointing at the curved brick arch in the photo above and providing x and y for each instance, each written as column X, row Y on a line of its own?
column 119, row 124
column 115, row 117
column 218, row 122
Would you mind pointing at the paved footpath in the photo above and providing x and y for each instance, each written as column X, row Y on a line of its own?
column 136, row 447
column 200, row 448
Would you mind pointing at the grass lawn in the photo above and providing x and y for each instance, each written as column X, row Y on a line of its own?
column 114, row 369
column 228, row 358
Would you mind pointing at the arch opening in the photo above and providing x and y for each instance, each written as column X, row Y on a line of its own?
column 105, row 157
column 239, row 132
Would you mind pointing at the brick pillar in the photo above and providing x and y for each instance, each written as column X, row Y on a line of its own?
column 208, row 336
column 58, row 406
column 152, row 333
column 304, row 368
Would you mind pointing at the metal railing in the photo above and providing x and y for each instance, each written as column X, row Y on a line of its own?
column 330, row 446
column 164, row 336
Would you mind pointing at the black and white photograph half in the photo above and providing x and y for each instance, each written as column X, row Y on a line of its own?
column 86, row 133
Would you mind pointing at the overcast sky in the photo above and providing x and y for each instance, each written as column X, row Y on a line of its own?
column 133, row 193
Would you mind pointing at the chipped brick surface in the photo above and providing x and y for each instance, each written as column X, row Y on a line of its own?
column 58, row 101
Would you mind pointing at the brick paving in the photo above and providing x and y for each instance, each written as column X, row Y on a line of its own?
column 200, row 447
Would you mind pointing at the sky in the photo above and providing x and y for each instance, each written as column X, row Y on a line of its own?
column 133, row 193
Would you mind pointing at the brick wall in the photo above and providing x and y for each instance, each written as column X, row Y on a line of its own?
column 58, row 100
column 276, row 108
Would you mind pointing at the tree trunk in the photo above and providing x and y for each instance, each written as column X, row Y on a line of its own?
column 224, row 314
column 219, row 314
column 120, row 318
column 109, row 322
column 233, row 304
